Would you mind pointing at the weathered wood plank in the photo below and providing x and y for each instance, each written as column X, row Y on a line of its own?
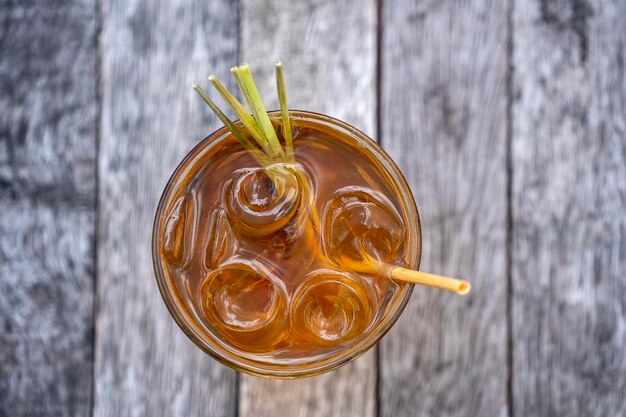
column 569, row 208
column 151, row 54
column 48, row 108
column 443, row 116
column 329, row 52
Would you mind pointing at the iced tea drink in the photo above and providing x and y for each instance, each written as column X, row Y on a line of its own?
column 262, row 266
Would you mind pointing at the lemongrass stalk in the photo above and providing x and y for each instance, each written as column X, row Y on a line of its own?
column 251, row 94
column 245, row 142
column 284, row 110
column 247, row 120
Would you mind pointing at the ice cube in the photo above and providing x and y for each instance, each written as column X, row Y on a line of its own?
column 220, row 242
column 245, row 304
column 174, row 232
column 331, row 307
column 263, row 201
column 360, row 224
column 269, row 206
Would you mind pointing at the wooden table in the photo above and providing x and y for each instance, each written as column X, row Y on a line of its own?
column 508, row 119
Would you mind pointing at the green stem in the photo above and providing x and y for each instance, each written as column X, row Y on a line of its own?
column 247, row 120
column 245, row 142
column 257, row 122
column 251, row 94
column 284, row 110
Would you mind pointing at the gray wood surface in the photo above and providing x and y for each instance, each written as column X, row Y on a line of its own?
column 569, row 209
column 508, row 119
column 48, row 122
column 329, row 52
column 151, row 54
column 443, row 120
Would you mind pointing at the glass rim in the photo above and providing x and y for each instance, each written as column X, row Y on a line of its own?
column 188, row 324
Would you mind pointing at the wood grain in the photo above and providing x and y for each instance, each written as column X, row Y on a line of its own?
column 569, row 208
column 152, row 51
column 443, row 119
column 47, row 207
column 443, row 108
column 329, row 53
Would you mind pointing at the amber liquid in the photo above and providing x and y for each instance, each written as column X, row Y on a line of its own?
column 265, row 258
